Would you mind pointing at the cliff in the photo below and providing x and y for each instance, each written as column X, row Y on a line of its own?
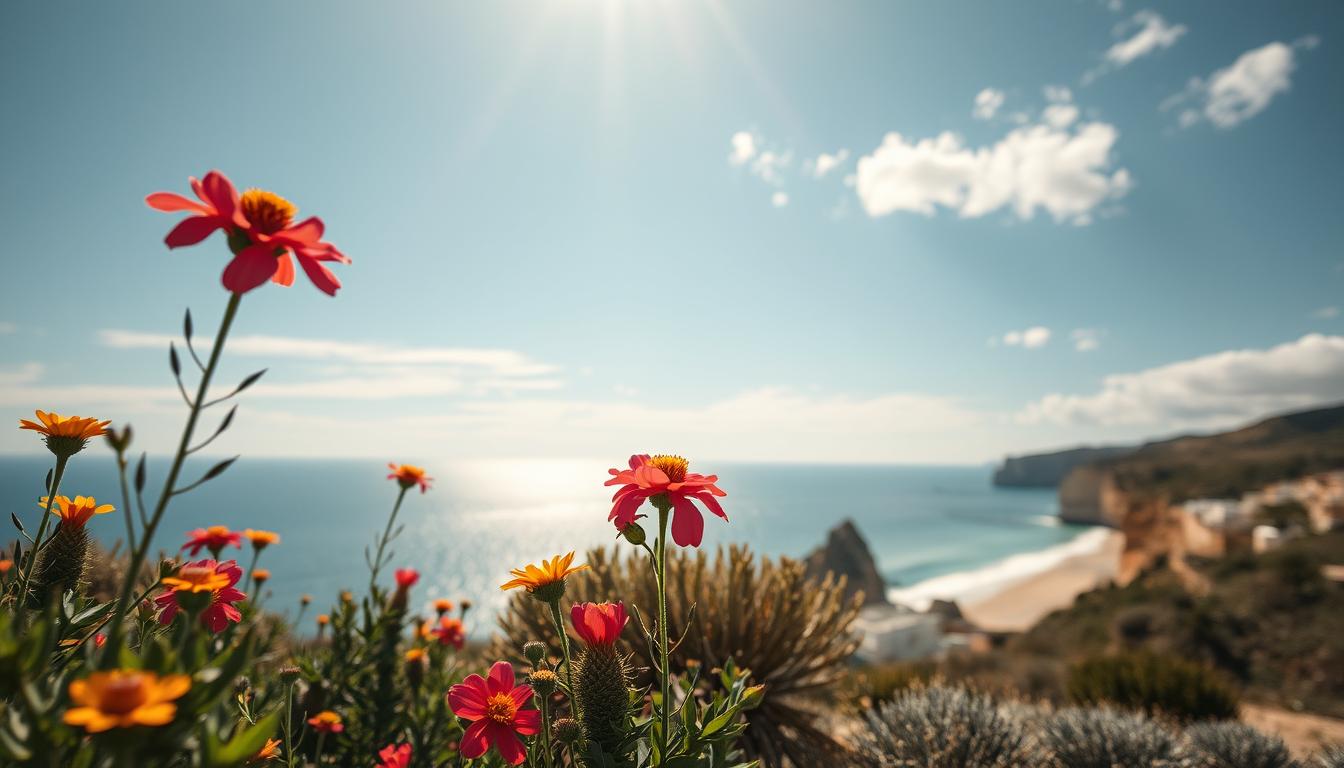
column 845, row 553
column 1047, row 470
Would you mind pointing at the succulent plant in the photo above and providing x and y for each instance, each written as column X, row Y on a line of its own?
column 1104, row 738
column 1332, row 757
column 792, row 632
column 943, row 727
column 1237, row 745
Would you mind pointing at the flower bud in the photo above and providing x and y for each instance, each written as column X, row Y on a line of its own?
column 305, row 600
column 534, row 651
column 544, row 682
column 119, row 441
column 289, row 674
column 634, row 534
column 567, row 730
column 415, row 667
column 602, row 692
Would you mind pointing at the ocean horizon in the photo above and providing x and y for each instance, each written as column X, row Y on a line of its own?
column 935, row 531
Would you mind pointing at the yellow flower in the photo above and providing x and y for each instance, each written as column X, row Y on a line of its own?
column 261, row 539
column 65, row 435
column 547, row 581
column 197, row 578
column 77, row 512
column 269, row 752
column 415, row 655
column 122, row 698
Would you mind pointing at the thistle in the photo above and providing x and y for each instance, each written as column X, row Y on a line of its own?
column 602, row 674
column 64, row 556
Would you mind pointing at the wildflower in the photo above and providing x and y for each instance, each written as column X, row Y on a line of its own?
column 261, row 539
column 664, row 479
column 450, row 632
column 305, row 600
column 599, row 624
column 122, row 698
column 407, row 577
column 70, row 642
column 205, row 587
column 534, row 651
column 261, row 575
column 415, row 666
column 547, row 582
column 326, row 722
column 415, row 655
column 261, row 233
column 567, row 730
column 5, row 565
column 347, row 596
column 395, row 756
column 544, row 682
column 408, row 476
column 322, row 621
column 442, row 606
column 215, row 538
column 494, row 707
column 63, row 560
column 270, row 751
column 65, row 435
column 75, row 512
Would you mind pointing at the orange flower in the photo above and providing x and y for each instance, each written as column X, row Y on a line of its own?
column 122, row 698
column 215, row 538
column 260, row 575
column 205, row 586
column 65, row 435
column 5, row 565
column 450, row 632
column 547, row 582
column 408, row 476
column 326, row 722
column 323, row 620
column 261, row 539
column 269, row 752
column 415, row 655
column 442, row 606
column 75, row 513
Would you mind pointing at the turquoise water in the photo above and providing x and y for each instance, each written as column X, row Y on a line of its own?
column 481, row 518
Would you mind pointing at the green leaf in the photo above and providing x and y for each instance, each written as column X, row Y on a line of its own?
column 248, row 741
column 717, row 724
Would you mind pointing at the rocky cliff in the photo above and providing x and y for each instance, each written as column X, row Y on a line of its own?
column 1047, row 470
column 845, row 553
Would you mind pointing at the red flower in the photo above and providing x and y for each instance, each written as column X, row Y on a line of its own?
column 494, row 707
column 393, row 756
column 261, row 234
column 450, row 632
column 598, row 624
column 207, row 586
column 407, row 577
column 215, row 538
column 665, row 476
column 326, row 721
column 408, row 475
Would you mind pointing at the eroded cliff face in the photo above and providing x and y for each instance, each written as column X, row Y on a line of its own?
column 1087, row 496
column 1047, row 470
column 846, row 554
column 1151, row 525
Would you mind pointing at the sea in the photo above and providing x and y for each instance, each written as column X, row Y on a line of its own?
column 935, row 531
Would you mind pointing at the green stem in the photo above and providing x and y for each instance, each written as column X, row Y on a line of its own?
column 126, row 500
column 665, row 686
column 138, row 554
column 321, row 741
column 41, row 530
column 564, row 649
column 289, row 726
column 545, row 702
column 382, row 542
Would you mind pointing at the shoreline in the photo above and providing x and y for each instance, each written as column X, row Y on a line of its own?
column 1017, row 606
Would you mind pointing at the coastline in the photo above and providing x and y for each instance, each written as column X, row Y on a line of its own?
column 1016, row 607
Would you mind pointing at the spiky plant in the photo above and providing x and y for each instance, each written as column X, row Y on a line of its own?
column 1105, row 738
column 602, row 679
column 63, row 561
column 943, row 727
column 792, row 632
column 1236, row 745
column 1332, row 757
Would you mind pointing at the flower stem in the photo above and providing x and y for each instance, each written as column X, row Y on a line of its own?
column 289, row 726
column 382, row 542
column 665, row 682
column 138, row 553
column 125, row 499
column 564, row 649
column 41, row 529
column 545, row 702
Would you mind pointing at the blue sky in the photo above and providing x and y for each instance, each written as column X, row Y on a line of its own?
column 917, row 232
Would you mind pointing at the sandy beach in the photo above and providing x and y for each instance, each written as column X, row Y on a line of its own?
column 1021, row 604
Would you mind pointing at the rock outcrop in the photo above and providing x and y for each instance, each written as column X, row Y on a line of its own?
column 846, row 554
column 1047, row 470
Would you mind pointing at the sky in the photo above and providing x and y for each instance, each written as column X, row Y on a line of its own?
column 739, row 230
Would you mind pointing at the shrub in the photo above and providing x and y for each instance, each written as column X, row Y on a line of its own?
column 943, row 727
column 1236, row 745
column 1154, row 684
column 1104, row 738
column 1332, row 757
column 790, row 631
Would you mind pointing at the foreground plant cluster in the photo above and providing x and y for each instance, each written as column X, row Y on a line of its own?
column 183, row 667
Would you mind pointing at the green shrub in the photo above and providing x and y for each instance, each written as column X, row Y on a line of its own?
column 1236, row 745
column 1105, row 738
column 1154, row 684
column 942, row 727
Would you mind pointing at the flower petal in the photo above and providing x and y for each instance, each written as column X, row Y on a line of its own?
column 249, row 269
column 320, row 275
column 284, row 273
column 191, row 231
column 474, row 741
column 500, row 679
column 688, row 525
column 527, row 722
column 467, row 700
column 169, row 201
column 712, row 503
column 509, row 746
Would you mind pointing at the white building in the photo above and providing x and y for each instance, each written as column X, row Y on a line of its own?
column 896, row 633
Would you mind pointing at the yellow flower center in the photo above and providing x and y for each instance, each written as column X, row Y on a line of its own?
column 501, row 708
column 197, row 578
column 123, row 694
column 673, row 466
column 268, row 212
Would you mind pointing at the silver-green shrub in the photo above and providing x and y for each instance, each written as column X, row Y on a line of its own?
column 941, row 727
column 1106, row 738
column 1236, row 745
column 1332, row 757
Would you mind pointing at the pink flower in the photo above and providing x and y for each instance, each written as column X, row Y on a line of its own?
column 215, row 538
column 665, row 475
column 598, row 624
column 207, row 586
column 494, row 707
column 394, row 756
column 407, row 577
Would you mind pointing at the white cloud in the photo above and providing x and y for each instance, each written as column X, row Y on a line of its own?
column 779, row 199
column 1241, row 91
column 744, row 148
column 1154, row 33
column 1086, row 339
column 1057, row 93
column 825, row 163
column 27, row 373
column 1065, row 171
column 1060, row 115
column 769, row 166
column 1034, row 337
column 1326, row 313
column 987, row 103
column 1210, row 391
